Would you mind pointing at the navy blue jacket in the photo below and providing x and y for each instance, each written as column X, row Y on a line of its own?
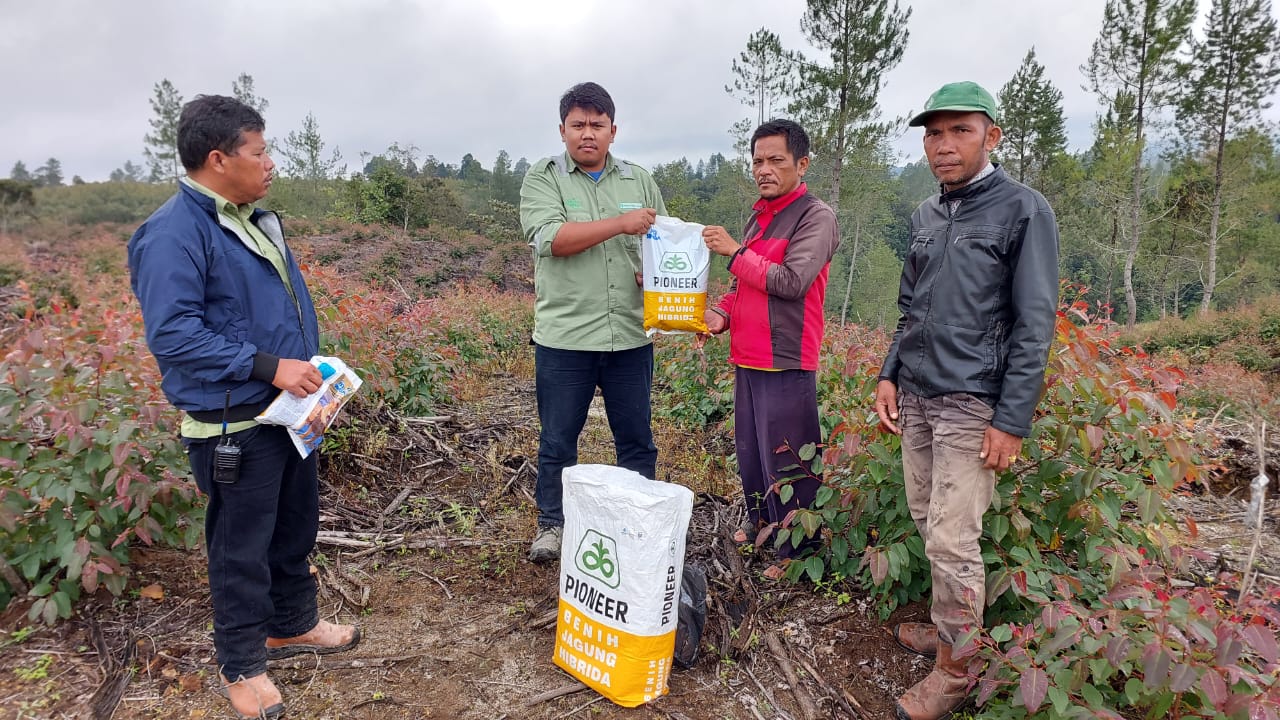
column 218, row 316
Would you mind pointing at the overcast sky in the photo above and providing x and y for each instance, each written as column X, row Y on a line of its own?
column 477, row 76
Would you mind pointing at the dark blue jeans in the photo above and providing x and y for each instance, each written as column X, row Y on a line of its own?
column 259, row 531
column 566, row 382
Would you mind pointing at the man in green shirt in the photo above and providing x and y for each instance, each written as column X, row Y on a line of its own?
column 585, row 212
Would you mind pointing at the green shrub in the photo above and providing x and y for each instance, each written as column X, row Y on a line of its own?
column 88, row 459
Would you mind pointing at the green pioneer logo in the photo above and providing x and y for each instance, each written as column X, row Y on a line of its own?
column 597, row 556
column 676, row 262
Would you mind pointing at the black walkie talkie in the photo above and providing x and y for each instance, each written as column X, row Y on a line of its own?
column 226, row 456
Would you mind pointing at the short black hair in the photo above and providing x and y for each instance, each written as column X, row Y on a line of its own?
column 797, row 138
column 214, row 122
column 588, row 96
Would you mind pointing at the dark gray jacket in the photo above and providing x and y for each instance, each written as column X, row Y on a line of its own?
column 979, row 299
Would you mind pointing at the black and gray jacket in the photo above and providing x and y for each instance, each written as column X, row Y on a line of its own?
column 979, row 298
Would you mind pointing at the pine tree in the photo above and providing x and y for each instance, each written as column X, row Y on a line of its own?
column 303, row 154
column 49, row 174
column 1232, row 72
column 764, row 74
column 161, row 148
column 1135, row 54
column 504, row 186
column 864, row 40
column 20, row 172
column 242, row 89
column 1031, row 118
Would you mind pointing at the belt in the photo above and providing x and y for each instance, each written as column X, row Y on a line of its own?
column 236, row 413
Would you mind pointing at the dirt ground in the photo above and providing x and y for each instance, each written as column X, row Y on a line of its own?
column 424, row 532
column 459, row 624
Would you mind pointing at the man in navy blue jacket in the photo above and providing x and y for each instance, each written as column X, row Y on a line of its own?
column 231, row 324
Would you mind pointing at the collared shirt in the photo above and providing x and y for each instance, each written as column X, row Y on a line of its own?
column 236, row 219
column 990, row 168
column 588, row 301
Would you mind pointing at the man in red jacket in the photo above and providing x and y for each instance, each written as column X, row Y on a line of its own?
column 773, row 314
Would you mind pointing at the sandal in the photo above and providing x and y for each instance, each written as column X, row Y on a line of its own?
column 254, row 691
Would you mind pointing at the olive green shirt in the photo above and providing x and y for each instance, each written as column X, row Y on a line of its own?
column 236, row 219
column 587, row 301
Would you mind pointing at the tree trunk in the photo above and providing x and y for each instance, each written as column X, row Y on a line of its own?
column 1111, row 263
column 853, row 262
column 1215, row 216
column 1135, row 230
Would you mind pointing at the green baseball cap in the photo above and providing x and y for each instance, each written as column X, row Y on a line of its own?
column 959, row 97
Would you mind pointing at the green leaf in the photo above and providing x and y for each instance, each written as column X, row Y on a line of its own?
column 1002, row 633
column 63, row 604
column 1092, row 696
column 825, row 494
column 814, row 567
column 1061, row 701
column 785, row 492
column 998, row 527
column 807, row 451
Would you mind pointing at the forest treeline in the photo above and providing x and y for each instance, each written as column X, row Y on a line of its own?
column 1173, row 208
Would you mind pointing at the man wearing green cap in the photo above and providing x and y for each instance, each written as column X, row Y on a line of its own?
column 961, row 381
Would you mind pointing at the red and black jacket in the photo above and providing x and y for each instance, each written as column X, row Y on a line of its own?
column 780, row 282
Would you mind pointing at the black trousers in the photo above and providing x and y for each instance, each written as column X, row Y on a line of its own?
column 772, row 410
column 259, row 531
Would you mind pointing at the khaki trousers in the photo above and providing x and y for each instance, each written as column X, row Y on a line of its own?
column 948, row 492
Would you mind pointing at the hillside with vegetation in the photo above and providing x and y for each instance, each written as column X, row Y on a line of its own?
column 1125, row 578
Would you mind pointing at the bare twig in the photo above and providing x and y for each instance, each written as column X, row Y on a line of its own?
column 553, row 694
column 839, row 694
column 581, row 707
column 438, row 581
column 321, row 664
column 807, row 708
column 1246, row 582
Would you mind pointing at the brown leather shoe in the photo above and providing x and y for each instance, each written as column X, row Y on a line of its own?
column 322, row 639
column 919, row 638
column 255, row 697
column 944, row 690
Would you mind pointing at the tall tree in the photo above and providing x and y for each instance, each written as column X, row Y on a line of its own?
column 1031, row 117
column 49, row 174
column 503, row 183
column 764, row 74
column 20, row 172
column 17, row 198
column 304, row 157
column 242, row 89
column 863, row 40
column 161, row 148
column 1232, row 73
column 128, row 173
column 1136, row 54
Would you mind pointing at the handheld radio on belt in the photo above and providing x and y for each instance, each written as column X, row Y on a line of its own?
column 226, row 456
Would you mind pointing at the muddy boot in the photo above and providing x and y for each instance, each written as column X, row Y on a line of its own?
column 944, row 690
column 919, row 638
column 546, row 544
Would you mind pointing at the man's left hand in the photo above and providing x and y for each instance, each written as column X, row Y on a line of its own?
column 999, row 449
column 719, row 241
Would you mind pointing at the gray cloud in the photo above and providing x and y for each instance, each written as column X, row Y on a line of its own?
column 469, row 76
